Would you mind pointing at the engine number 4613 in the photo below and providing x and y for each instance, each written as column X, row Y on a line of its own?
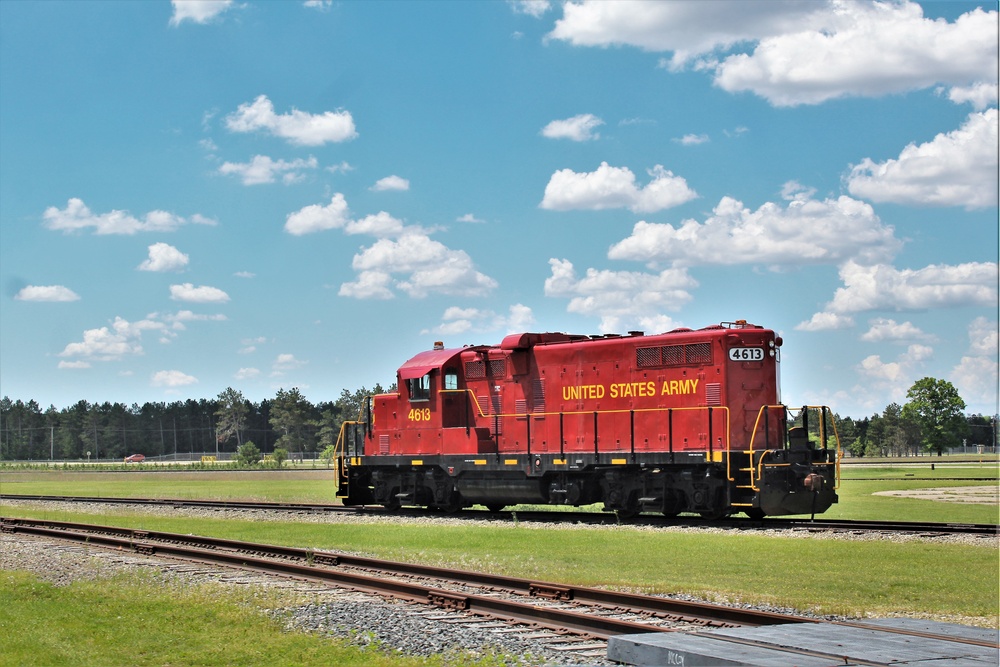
column 746, row 354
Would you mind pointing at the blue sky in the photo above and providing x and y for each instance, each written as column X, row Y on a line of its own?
column 197, row 195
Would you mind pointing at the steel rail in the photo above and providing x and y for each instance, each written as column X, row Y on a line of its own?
column 552, row 517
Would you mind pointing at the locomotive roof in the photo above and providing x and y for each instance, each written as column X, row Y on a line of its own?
column 424, row 362
column 429, row 360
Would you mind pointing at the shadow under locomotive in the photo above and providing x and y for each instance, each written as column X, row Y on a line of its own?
column 686, row 421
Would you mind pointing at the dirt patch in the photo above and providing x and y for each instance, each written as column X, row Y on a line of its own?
column 980, row 495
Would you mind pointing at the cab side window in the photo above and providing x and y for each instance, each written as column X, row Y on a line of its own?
column 450, row 378
column 420, row 388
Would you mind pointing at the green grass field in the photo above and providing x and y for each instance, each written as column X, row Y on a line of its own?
column 951, row 582
column 857, row 501
column 135, row 621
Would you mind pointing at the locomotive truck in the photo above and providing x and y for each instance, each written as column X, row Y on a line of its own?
column 683, row 421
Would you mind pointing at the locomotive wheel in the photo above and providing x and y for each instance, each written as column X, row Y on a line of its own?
column 391, row 505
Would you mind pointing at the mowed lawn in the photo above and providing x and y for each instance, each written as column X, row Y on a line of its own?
column 828, row 576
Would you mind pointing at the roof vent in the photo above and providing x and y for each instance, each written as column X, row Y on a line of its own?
column 438, row 345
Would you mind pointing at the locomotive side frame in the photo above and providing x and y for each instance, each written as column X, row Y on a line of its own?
column 466, row 446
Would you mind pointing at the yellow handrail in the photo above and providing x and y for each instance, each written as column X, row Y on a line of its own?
column 823, row 409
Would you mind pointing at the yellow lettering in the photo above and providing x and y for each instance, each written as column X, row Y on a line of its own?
column 583, row 392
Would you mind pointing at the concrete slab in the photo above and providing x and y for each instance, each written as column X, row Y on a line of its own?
column 792, row 644
column 863, row 645
column 699, row 650
column 936, row 627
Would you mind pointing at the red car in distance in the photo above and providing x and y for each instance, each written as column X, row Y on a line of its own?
column 135, row 458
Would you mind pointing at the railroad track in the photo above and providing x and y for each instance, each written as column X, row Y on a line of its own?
column 595, row 518
column 592, row 615
column 591, row 612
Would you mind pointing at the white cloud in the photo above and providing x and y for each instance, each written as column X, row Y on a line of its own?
column 298, row 127
column 622, row 299
column 468, row 217
column 381, row 225
column 246, row 373
column 164, row 257
column 111, row 343
column 244, row 274
column 896, row 373
column 826, row 322
column 285, row 362
column 692, row 140
column 198, row 11
column 341, row 168
column 424, row 265
column 883, row 287
column 76, row 217
column 686, row 28
column 935, row 286
column 200, row 294
column 74, row 365
column 262, row 169
column 178, row 319
column 520, row 318
column 976, row 375
column 866, row 49
column 615, row 187
column 800, row 52
column 431, row 267
column 955, row 169
column 250, row 344
column 321, row 5
column 577, row 128
column 805, row 231
column 369, row 285
column 172, row 379
column 976, row 378
column 534, row 8
column 50, row 293
column 984, row 338
column 882, row 330
column 317, row 218
column 456, row 321
column 391, row 183
column 979, row 95
column 123, row 338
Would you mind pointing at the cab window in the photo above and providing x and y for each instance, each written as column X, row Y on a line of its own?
column 450, row 378
column 420, row 388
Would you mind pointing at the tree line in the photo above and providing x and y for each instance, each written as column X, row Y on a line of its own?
column 102, row 431
column 932, row 420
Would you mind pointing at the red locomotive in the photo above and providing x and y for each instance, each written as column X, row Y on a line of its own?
column 685, row 421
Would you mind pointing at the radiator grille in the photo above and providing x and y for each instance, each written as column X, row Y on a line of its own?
column 673, row 355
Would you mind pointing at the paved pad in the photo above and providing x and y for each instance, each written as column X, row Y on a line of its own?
column 812, row 644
